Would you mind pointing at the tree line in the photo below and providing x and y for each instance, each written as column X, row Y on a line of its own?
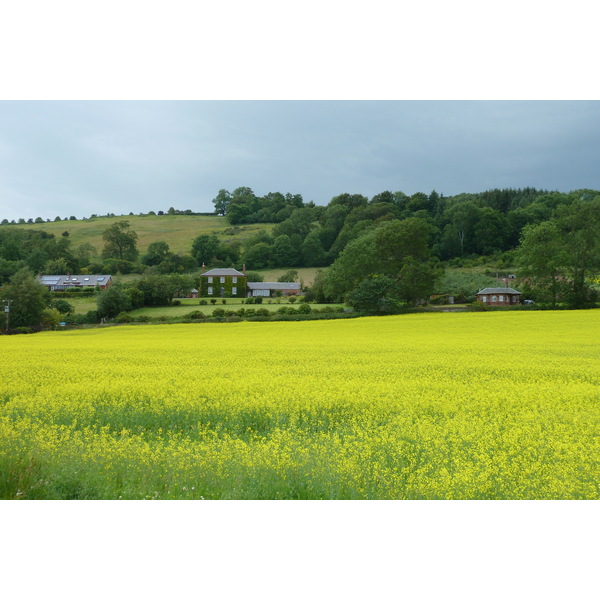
column 381, row 253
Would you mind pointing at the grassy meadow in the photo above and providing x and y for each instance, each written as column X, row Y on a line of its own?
column 178, row 231
column 498, row 405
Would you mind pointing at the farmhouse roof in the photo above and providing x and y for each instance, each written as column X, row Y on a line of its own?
column 223, row 273
column 498, row 290
column 74, row 280
column 271, row 285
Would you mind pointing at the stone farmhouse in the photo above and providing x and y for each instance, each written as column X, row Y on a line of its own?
column 499, row 296
column 57, row 283
column 231, row 283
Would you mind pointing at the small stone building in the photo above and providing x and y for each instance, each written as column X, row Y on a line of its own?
column 500, row 296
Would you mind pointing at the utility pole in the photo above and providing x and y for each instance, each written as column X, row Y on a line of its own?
column 7, row 304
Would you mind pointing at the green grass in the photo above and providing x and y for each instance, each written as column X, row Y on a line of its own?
column 306, row 274
column 190, row 304
column 82, row 305
column 178, row 231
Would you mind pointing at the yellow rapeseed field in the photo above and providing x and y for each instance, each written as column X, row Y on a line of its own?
column 431, row 406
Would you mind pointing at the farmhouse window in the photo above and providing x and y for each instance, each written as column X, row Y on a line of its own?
column 234, row 279
column 222, row 279
column 484, row 299
column 493, row 298
column 233, row 291
column 210, row 290
column 210, row 280
column 501, row 298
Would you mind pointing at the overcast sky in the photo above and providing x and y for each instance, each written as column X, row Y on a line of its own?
column 77, row 158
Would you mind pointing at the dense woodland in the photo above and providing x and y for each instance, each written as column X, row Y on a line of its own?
column 380, row 253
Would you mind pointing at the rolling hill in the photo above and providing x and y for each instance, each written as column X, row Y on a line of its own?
column 178, row 231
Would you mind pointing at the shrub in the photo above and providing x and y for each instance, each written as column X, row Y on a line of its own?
column 249, row 312
column 292, row 299
column 176, row 302
column 51, row 317
column 142, row 319
column 213, row 300
column 195, row 314
column 123, row 317
column 249, row 300
column 258, row 300
column 218, row 312
column 263, row 312
column 63, row 307
column 304, row 309
column 90, row 318
column 224, row 301
column 203, row 303
column 23, row 330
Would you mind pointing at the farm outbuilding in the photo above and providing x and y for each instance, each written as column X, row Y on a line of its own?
column 271, row 288
column 57, row 283
column 500, row 296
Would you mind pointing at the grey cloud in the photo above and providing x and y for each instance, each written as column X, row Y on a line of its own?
column 63, row 158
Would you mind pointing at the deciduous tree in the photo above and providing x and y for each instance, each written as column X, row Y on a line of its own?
column 120, row 242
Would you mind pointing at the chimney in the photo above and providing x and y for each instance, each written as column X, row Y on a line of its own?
column 203, row 267
column 506, row 281
column 244, row 269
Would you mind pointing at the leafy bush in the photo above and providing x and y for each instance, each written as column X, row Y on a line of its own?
column 50, row 318
column 224, row 301
column 63, row 307
column 213, row 300
column 304, row 309
column 218, row 312
column 123, row 317
column 203, row 303
column 142, row 319
column 90, row 318
column 258, row 300
column 195, row 314
column 292, row 299
column 23, row 330
column 263, row 312
column 377, row 294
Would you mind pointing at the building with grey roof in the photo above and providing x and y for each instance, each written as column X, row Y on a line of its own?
column 499, row 296
column 268, row 288
column 57, row 283
column 230, row 283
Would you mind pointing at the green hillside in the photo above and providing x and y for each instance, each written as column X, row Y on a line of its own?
column 177, row 230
